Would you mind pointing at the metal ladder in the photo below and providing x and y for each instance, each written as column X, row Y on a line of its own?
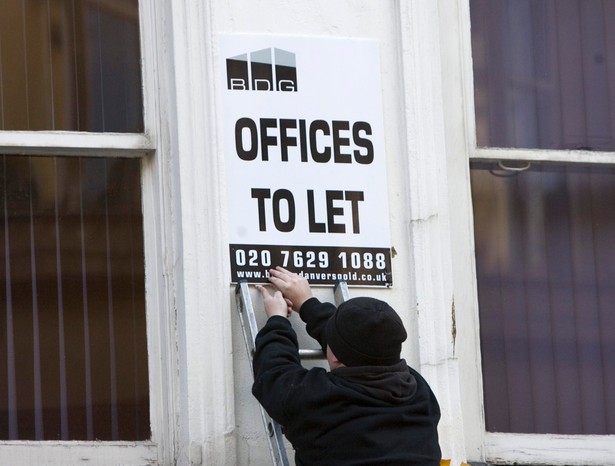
column 250, row 330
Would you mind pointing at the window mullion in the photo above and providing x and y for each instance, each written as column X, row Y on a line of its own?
column 74, row 143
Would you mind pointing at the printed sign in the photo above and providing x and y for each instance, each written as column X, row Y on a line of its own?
column 305, row 158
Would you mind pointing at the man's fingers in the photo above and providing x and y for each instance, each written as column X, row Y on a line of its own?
column 283, row 275
column 263, row 291
column 281, row 272
column 279, row 281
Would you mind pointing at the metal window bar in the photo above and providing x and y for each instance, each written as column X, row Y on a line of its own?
column 249, row 328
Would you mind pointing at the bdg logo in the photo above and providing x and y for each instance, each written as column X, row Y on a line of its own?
column 263, row 70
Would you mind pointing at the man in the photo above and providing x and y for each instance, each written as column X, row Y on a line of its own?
column 370, row 409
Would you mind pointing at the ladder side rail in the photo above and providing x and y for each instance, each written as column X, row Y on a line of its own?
column 249, row 328
column 340, row 291
column 273, row 430
column 244, row 308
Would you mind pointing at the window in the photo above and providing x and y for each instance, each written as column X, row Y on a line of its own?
column 74, row 178
column 75, row 360
column 70, row 65
column 545, row 269
column 543, row 200
column 543, row 73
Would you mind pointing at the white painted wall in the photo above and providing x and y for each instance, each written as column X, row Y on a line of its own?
column 217, row 419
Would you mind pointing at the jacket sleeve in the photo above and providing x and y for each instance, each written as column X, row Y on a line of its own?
column 316, row 314
column 277, row 367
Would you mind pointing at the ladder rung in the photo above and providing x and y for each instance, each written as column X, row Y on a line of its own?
column 311, row 354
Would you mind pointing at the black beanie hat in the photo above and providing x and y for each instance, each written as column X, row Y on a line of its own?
column 365, row 332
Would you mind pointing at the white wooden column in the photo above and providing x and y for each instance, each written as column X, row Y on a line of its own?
column 429, row 229
column 206, row 410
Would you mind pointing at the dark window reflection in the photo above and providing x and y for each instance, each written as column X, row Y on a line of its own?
column 70, row 65
column 73, row 356
column 544, row 73
column 545, row 260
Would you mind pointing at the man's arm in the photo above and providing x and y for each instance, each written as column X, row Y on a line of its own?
column 277, row 366
column 316, row 314
column 296, row 289
column 276, row 363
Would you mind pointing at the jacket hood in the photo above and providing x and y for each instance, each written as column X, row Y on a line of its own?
column 387, row 385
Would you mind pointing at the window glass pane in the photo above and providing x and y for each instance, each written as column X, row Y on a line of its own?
column 73, row 356
column 546, row 268
column 544, row 73
column 70, row 65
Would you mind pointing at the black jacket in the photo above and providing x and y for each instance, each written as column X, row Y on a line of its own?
column 373, row 415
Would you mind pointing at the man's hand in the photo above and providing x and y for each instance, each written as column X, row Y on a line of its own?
column 275, row 304
column 294, row 287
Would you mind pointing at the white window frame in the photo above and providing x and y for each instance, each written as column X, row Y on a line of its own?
column 458, row 96
column 162, row 447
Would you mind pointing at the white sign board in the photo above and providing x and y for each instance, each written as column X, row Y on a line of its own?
column 305, row 158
